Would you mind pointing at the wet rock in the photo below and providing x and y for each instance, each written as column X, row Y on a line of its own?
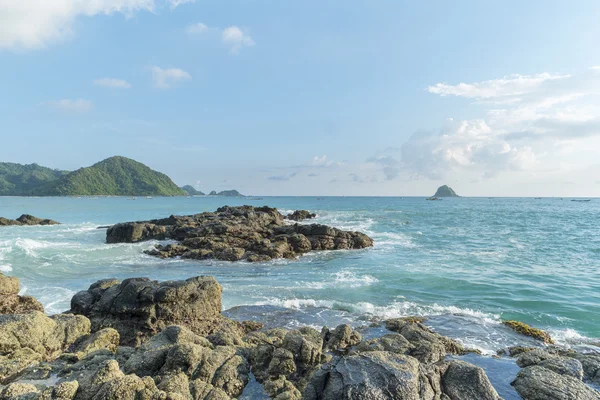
column 236, row 233
column 564, row 366
column 27, row 219
column 465, row 381
column 11, row 302
column 138, row 307
column 300, row 215
column 370, row 375
column 539, row 383
column 533, row 357
column 527, row 330
column 591, row 366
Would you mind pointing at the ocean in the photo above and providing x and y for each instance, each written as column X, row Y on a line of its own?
column 465, row 263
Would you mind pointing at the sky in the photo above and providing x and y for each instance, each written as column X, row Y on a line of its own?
column 337, row 97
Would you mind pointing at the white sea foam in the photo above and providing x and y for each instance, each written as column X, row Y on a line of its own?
column 5, row 268
column 392, row 240
column 343, row 279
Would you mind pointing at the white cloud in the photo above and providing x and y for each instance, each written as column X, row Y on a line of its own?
column 166, row 78
column 112, row 83
column 196, row 29
column 236, row 38
column 36, row 23
column 470, row 145
column 512, row 85
column 72, row 105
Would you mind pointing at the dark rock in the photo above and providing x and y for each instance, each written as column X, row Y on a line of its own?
column 27, row 219
column 138, row 307
column 236, row 233
column 300, row 215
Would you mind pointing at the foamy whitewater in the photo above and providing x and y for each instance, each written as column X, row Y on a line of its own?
column 465, row 263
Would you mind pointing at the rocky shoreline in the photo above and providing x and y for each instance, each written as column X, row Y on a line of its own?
column 143, row 339
column 245, row 233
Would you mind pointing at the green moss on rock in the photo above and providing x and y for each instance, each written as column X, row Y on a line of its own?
column 527, row 330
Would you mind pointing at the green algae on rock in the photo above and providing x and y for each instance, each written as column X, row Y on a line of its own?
column 527, row 330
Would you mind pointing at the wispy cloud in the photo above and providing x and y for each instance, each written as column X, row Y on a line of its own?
column 166, row 78
column 512, row 85
column 71, row 105
column 236, row 38
column 112, row 83
column 196, row 29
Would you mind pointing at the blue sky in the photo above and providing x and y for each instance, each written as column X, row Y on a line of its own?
column 312, row 97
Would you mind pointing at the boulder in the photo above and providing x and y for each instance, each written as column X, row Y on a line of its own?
column 539, row 383
column 11, row 302
column 341, row 338
column 138, row 307
column 371, row 375
column 26, row 339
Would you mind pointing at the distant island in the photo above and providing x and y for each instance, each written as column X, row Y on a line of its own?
column 115, row 176
column 227, row 193
column 189, row 189
column 445, row 191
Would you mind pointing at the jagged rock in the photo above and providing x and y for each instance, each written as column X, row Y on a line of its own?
column 564, row 366
column 103, row 340
column 27, row 219
column 341, row 338
column 138, row 307
column 282, row 389
column 428, row 346
column 591, row 366
column 29, row 338
column 300, row 215
column 236, row 233
column 371, row 375
column 11, row 302
column 539, row 383
column 393, row 343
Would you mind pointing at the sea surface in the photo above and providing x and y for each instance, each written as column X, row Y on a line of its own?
column 465, row 263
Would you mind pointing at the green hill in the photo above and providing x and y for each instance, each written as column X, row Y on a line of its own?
column 20, row 180
column 445, row 191
column 192, row 191
column 227, row 193
column 116, row 176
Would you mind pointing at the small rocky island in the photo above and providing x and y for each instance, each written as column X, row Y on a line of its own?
column 237, row 233
column 445, row 191
column 26, row 219
column 145, row 340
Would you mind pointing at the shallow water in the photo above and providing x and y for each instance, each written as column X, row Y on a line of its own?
column 465, row 263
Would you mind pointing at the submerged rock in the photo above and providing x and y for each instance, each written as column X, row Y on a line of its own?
column 236, row 233
column 27, row 219
column 527, row 330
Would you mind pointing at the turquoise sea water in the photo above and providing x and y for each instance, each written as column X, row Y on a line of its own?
column 466, row 263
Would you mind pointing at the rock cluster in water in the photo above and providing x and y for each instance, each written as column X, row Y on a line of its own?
column 26, row 219
column 237, row 233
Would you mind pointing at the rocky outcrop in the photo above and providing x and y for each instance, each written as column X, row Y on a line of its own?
column 555, row 373
column 168, row 340
column 29, row 338
column 139, row 307
column 236, row 233
column 300, row 215
column 445, row 191
column 26, row 219
column 11, row 302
